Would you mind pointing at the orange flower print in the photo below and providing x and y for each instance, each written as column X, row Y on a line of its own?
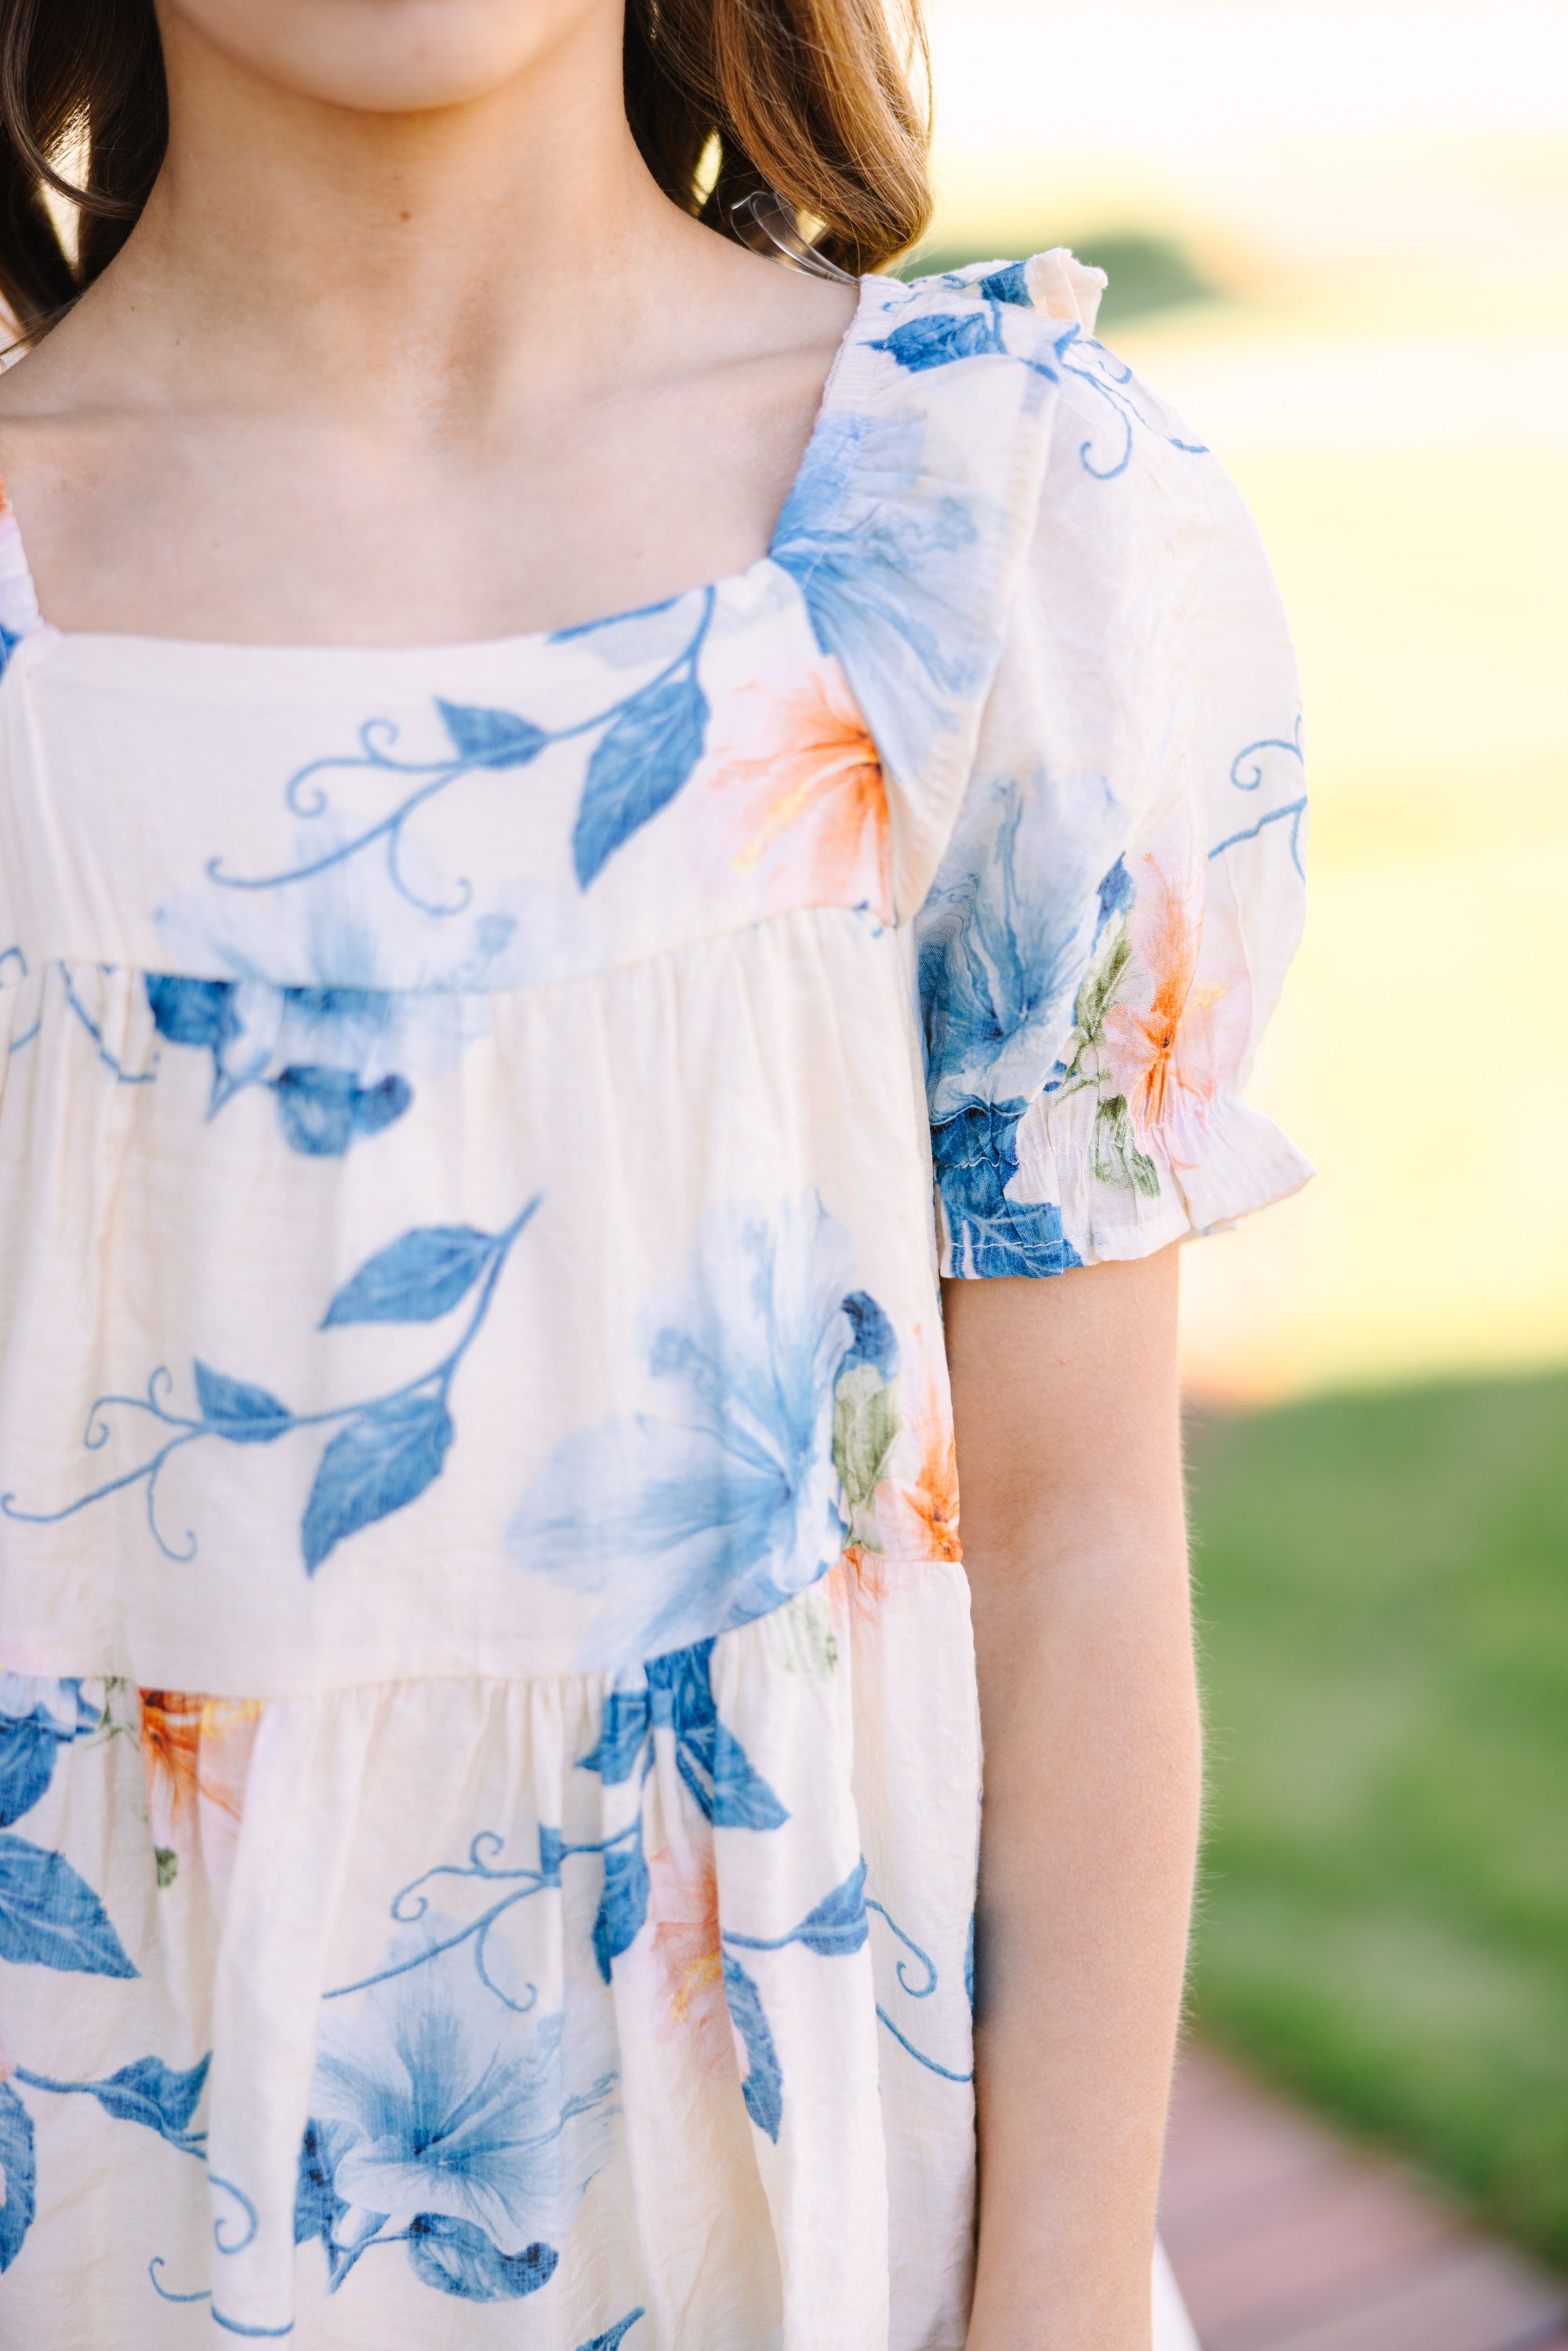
column 686, row 1959
column 1162, row 1058
column 805, row 781
column 196, row 1753
column 856, row 1584
column 919, row 1515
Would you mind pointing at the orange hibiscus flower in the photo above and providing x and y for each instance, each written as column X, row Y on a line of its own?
column 196, row 1753
column 857, row 1582
column 805, row 778
column 1163, row 1057
column 687, row 1959
column 920, row 1514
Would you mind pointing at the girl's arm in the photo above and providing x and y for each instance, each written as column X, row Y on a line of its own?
column 1065, row 1396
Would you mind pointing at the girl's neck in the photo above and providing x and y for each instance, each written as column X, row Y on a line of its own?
column 347, row 256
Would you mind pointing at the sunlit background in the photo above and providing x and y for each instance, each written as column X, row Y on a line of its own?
column 1337, row 234
column 1343, row 239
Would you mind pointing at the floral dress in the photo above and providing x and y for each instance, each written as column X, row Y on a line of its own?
column 488, row 1753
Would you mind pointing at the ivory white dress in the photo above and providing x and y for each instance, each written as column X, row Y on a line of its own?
column 488, row 1756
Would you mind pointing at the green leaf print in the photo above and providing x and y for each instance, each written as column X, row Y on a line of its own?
column 866, row 1426
column 1117, row 1158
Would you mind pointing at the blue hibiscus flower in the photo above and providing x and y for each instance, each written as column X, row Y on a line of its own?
column 460, row 2123
column 717, row 1506
column 889, row 578
column 1004, row 939
column 318, row 1050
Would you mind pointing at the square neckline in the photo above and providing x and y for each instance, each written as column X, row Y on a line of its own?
column 50, row 636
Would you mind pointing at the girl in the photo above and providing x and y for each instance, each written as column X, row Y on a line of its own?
column 583, row 815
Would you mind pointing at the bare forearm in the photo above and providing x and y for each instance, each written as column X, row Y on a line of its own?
column 1086, row 1874
column 1077, row 1564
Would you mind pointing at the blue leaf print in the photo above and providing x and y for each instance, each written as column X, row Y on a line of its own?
column 638, row 767
column 763, row 2088
column 323, row 1110
column 713, row 1763
column 234, row 1410
column 1009, row 285
column 875, row 1340
column 50, row 1918
column 459, row 2258
column 491, row 739
column 612, row 2340
column 37, row 1718
column 936, row 340
column 727, row 1501
column 834, row 1929
column 416, row 1278
column 383, row 1461
column 627, row 1717
column 28, row 1753
column 1114, row 896
column 624, row 1905
column 192, row 1012
column 390, row 1447
column 147, row 2091
column 838, row 1925
column 611, row 620
column 735, row 1797
column 18, row 2175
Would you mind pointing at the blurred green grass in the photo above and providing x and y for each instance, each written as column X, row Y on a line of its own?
column 1384, row 1596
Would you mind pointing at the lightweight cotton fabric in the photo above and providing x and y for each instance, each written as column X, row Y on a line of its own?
column 488, row 1749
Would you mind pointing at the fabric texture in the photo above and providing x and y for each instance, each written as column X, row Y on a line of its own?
column 489, row 1767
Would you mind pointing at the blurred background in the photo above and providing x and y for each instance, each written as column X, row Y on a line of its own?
column 1337, row 238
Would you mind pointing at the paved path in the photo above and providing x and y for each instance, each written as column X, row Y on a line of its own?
column 1285, row 2239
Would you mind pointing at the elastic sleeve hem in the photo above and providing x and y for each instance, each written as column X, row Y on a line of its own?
column 1105, row 1215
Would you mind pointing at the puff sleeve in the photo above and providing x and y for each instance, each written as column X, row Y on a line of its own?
column 1123, row 890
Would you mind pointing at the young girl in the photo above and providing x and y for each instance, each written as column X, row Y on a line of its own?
column 489, row 1759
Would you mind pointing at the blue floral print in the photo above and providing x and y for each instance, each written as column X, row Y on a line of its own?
column 455, row 2120
column 880, row 572
column 1003, row 941
column 676, row 1695
column 714, row 1509
column 837, row 1927
column 261, row 1036
column 50, row 1918
column 603, row 1802
column 649, row 743
column 63, row 974
column 615, row 2335
column 1247, row 771
column 37, row 1720
column 388, row 1448
column 1116, row 385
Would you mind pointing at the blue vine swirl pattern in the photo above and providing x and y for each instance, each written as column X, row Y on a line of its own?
column 650, row 741
column 388, row 1448
column 1247, row 771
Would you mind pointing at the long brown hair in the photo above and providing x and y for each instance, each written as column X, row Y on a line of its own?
column 726, row 99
